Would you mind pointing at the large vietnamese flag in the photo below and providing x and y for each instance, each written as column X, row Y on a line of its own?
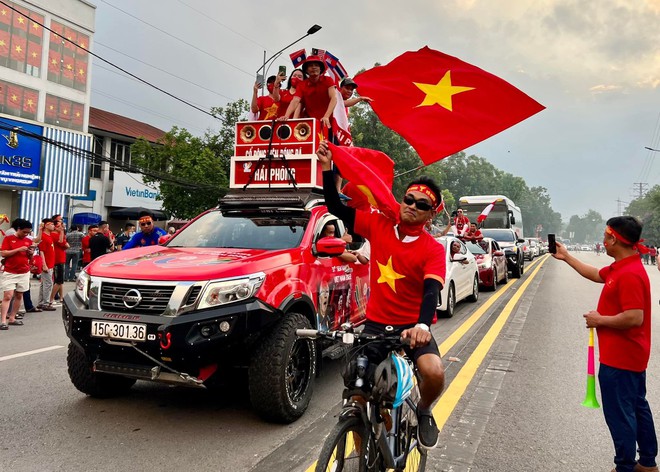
column 441, row 104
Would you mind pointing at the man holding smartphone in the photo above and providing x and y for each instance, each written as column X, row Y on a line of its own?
column 267, row 106
column 623, row 323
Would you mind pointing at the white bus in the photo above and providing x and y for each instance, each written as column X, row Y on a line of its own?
column 505, row 213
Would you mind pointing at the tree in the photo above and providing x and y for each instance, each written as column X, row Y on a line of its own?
column 647, row 210
column 187, row 158
column 202, row 163
column 587, row 228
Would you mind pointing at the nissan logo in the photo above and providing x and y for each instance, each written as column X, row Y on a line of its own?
column 132, row 298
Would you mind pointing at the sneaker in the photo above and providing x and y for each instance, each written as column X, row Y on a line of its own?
column 55, row 303
column 20, row 312
column 427, row 431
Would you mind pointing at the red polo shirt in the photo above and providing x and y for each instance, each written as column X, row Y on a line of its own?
column 398, row 269
column 314, row 97
column 17, row 263
column 626, row 287
column 60, row 248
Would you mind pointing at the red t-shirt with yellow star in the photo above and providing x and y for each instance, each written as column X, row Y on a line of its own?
column 267, row 107
column 398, row 269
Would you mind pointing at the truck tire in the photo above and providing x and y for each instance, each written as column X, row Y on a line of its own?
column 282, row 371
column 91, row 383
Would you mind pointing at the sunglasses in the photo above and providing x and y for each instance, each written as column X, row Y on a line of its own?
column 420, row 204
column 145, row 224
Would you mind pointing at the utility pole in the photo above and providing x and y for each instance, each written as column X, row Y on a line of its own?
column 619, row 206
column 640, row 189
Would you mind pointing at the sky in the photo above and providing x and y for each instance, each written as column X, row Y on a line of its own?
column 595, row 66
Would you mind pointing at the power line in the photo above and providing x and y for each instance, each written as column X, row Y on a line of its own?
column 221, row 24
column 97, row 43
column 178, row 39
column 91, row 156
column 114, row 65
column 152, row 112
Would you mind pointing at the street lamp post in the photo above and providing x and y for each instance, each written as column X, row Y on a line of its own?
column 264, row 69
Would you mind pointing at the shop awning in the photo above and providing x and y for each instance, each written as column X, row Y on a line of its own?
column 85, row 219
column 133, row 213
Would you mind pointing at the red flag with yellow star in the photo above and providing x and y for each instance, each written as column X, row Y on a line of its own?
column 440, row 104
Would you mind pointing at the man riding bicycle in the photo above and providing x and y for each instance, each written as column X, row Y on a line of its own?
column 407, row 274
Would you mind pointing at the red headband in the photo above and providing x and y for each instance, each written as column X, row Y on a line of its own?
column 425, row 190
column 638, row 245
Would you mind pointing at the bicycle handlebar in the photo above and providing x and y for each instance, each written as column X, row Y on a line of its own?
column 340, row 335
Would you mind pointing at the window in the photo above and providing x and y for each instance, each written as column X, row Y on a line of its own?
column 64, row 113
column 97, row 160
column 21, row 40
column 18, row 101
column 67, row 63
column 120, row 152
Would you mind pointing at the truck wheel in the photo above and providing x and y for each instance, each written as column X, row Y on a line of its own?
column 91, row 383
column 282, row 370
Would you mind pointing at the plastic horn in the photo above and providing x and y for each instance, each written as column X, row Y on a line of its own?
column 590, row 400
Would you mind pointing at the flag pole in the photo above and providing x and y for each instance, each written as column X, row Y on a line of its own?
column 590, row 400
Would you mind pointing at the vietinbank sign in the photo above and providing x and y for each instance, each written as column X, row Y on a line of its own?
column 129, row 190
column 20, row 155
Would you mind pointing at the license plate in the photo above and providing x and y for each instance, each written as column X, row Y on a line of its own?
column 123, row 331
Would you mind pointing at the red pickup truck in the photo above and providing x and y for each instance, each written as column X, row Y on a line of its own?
column 227, row 291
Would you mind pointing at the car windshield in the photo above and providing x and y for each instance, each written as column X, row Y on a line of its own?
column 478, row 248
column 499, row 235
column 214, row 229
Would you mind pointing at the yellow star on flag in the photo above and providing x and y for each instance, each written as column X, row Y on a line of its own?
column 34, row 54
column 2, row 42
column 271, row 111
column 14, row 97
column 18, row 49
column 35, row 25
column 441, row 93
column 65, row 111
column 30, row 102
column 81, row 72
column 388, row 274
column 3, row 12
column 21, row 20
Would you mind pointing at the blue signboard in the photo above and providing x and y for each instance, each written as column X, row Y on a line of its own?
column 20, row 155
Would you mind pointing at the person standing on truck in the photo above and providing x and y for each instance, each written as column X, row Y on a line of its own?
column 623, row 323
column 407, row 273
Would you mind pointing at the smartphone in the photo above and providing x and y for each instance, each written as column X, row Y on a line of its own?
column 282, row 71
column 552, row 244
column 260, row 78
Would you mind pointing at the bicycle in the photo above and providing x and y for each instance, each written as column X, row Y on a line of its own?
column 377, row 427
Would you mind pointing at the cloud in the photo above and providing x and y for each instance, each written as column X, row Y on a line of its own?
column 605, row 88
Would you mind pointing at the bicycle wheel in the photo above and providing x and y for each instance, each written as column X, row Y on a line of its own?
column 416, row 458
column 345, row 448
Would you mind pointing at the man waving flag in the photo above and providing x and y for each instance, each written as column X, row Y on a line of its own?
column 440, row 104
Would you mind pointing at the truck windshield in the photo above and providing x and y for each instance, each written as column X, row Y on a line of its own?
column 214, row 229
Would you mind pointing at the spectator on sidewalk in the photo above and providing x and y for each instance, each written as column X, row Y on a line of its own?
column 86, row 251
column 60, row 245
column 16, row 250
column 27, row 297
column 47, row 251
column 73, row 253
column 99, row 243
column 124, row 236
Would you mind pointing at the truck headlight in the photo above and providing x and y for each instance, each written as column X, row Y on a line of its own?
column 82, row 286
column 230, row 291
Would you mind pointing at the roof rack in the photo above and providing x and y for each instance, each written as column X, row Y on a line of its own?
column 258, row 198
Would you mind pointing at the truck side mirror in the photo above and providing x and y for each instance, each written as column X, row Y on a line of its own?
column 330, row 247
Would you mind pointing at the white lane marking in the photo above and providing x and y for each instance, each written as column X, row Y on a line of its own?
column 29, row 353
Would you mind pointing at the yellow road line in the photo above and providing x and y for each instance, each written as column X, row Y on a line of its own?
column 448, row 401
column 448, row 343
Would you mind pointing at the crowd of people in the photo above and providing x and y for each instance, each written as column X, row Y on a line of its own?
column 53, row 256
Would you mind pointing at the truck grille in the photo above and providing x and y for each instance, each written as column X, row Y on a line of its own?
column 154, row 300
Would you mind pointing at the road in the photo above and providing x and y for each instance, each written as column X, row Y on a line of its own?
column 516, row 375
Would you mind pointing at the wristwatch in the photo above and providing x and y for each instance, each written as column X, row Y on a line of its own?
column 422, row 326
